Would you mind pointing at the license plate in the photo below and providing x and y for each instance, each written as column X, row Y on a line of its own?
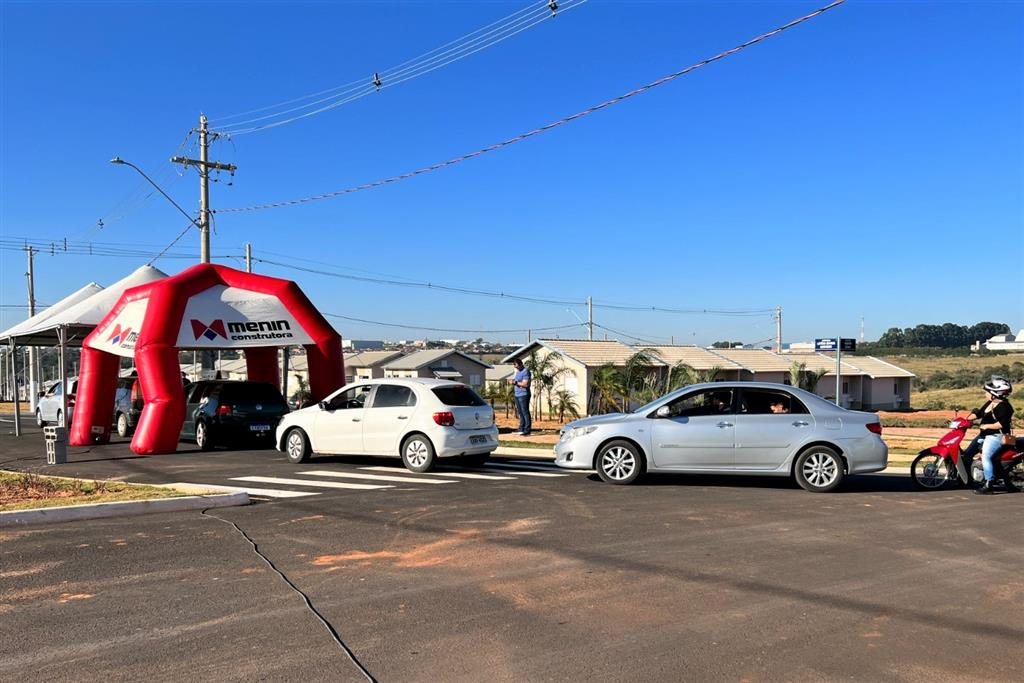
column 259, row 428
column 478, row 439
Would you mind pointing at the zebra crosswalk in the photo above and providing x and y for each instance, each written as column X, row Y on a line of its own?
column 313, row 482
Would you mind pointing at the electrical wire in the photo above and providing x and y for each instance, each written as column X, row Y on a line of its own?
column 347, row 87
column 542, row 129
column 451, row 329
column 420, row 66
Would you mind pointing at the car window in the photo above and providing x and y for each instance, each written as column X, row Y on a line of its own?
column 458, row 395
column 200, row 392
column 393, row 396
column 707, row 402
column 353, row 398
column 761, row 402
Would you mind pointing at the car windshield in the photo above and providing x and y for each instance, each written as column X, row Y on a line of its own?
column 650, row 406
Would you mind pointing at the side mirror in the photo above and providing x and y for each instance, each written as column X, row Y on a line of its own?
column 323, row 405
column 41, row 394
column 663, row 411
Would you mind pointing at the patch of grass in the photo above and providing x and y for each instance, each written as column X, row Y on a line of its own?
column 25, row 491
column 925, row 367
column 512, row 443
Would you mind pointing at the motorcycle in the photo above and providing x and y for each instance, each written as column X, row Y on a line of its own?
column 945, row 463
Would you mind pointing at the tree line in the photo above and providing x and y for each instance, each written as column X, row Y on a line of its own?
column 945, row 336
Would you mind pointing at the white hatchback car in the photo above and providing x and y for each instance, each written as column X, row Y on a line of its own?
column 50, row 409
column 418, row 419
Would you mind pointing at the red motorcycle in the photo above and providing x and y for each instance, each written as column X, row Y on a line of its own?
column 945, row 463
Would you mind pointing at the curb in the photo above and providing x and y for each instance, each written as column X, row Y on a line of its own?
column 538, row 453
column 72, row 513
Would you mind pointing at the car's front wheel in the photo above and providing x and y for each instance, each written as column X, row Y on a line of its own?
column 60, row 418
column 619, row 462
column 418, row 453
column 296, row 446
column 40, row 422
column 203, row 439
column 819, row 469
column 122, row 425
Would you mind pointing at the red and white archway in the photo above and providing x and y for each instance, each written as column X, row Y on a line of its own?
column 204, row 307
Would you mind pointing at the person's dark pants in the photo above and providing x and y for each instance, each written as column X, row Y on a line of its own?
column 523, row 408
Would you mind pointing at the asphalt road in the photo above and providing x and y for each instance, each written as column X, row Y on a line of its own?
column 513, row 577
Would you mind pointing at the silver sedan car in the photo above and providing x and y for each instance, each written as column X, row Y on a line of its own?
column 729, row 428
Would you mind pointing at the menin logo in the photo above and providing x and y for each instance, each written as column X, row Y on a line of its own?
column 118, row 334
column 211, row 331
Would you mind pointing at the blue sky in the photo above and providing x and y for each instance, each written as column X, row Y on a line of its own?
column 867, row 163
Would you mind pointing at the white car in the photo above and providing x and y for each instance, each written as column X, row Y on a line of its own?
column 418, row 419
column 50, row 409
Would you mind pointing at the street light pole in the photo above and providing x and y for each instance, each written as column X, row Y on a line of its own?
column 119, row 160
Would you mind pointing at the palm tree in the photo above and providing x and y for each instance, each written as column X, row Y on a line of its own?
column 802, row 378
column 544, row 372
column 565, row 404
column 636, row 372
column 605, row 389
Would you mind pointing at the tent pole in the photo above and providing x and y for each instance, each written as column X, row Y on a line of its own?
column 17, row 402
column 284, row 375
column 62, row 370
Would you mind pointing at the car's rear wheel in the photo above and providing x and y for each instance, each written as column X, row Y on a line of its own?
column 819, row 469
column 296, row 446
column 619, row 462
column 122, row 425
column 929, row 471
column 418, row 453
column 203, row 438
column 40, row 422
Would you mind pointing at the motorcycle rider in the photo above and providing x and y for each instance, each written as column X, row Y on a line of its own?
column 994, row 421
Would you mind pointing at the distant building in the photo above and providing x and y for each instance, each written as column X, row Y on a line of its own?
column 361, row 345
column 1002, row 342
column 499, row 374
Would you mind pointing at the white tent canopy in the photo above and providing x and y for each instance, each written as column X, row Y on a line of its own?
column 40, row 319
column 78, row 320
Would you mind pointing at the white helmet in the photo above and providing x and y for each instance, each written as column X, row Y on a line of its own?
column 998, row 387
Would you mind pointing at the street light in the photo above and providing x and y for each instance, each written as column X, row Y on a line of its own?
column 119, row 160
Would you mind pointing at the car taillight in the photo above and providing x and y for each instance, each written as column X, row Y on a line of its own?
column 223, row 410
column 445, row 419
column 874, row 427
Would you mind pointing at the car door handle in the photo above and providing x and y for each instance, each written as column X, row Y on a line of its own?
column 800, row 423
column 403, row 417
column 355, row 419
column 723, row 425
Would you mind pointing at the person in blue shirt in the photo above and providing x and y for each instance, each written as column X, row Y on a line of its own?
column 521, row 381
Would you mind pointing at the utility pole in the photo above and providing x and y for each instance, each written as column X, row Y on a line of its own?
column 778, row 329
column 590, row 318
column 204, row 165
column 248, row 257
column 33, row 357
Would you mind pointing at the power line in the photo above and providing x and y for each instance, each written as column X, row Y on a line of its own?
column 542, row 129
column 445, row 55
column 421, row 285
column 450, row 329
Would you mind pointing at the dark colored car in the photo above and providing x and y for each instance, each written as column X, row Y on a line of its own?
column 127, row 405
column 229, row 413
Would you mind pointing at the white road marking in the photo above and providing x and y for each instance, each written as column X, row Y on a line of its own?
column 460, row 475
column 310, row 482
column 266, row 493
column 523, row 473
column 376, row 477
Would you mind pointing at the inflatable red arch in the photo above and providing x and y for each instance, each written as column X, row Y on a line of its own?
column 204, row 307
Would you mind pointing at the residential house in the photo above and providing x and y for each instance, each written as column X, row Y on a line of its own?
column 368, row 364
column 441, row 364
column 499, row 374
